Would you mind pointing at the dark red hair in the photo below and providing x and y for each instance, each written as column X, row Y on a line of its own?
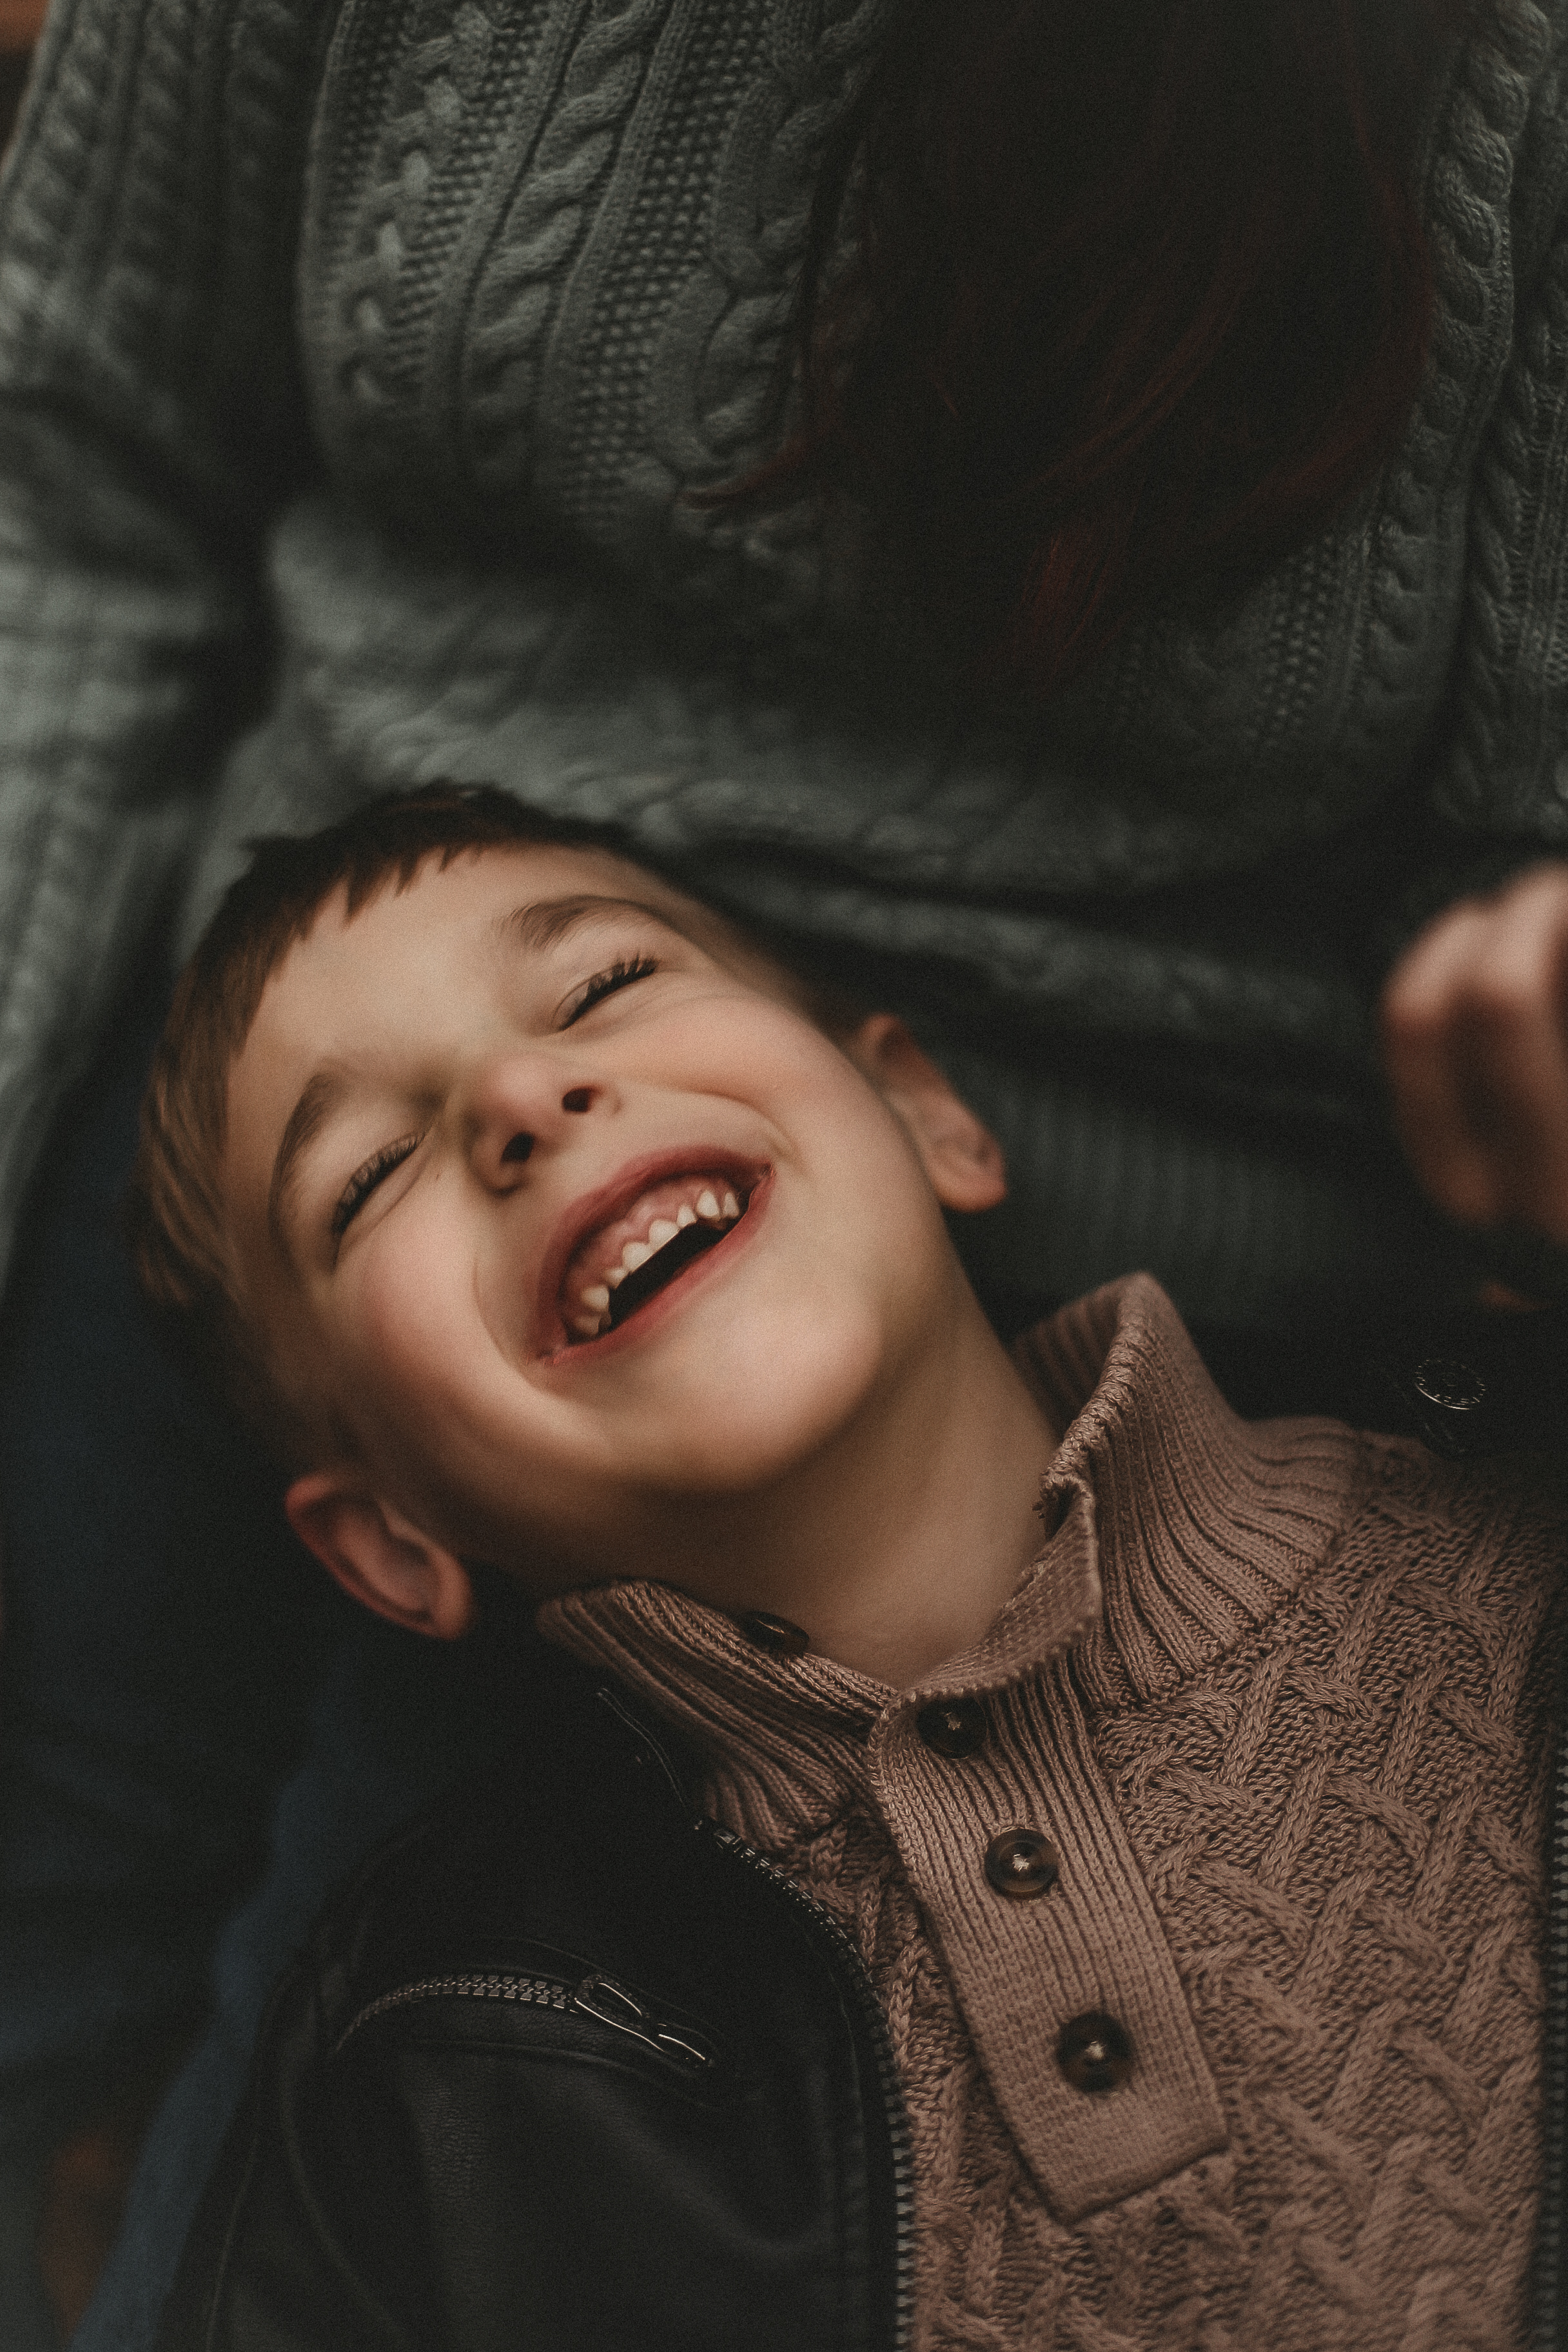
column 1140, row 292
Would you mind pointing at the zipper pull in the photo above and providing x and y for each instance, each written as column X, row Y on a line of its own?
column 615, row 2004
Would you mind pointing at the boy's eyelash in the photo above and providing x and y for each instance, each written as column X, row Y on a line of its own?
column 363, row 1182
column 619, row 974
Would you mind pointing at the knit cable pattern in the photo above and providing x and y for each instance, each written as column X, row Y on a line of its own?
column 544, row 230
column 149, row 417
column 1506, row 772
column 545, row 256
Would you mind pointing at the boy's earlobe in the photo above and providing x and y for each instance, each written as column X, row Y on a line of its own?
column 380, row 1557
column 960, row 1156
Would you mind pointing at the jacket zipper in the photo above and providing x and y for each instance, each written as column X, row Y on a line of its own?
column 1552, row 2321
column 827, row 1929
column 595, row 1995
column 651, row 1746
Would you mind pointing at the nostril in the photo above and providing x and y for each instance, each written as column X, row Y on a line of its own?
column 578, row 1098
column 518, row 1148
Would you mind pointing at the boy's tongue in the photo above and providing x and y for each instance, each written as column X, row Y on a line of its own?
column 706, row 1199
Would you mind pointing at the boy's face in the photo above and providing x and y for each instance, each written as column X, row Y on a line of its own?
column 464, row 1120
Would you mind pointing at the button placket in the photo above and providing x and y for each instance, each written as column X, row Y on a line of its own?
column 1052, row 1945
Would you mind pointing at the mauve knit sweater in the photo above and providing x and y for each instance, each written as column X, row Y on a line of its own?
column 1279, row 1697
column 354, row 357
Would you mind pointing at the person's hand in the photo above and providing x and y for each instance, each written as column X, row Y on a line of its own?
column 1475, row 1042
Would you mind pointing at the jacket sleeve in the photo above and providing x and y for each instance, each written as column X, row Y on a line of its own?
column 149, row 417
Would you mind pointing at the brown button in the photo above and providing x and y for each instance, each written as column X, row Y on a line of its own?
column 1020, row 1862
column 1095, row 2053
column 775, row 1634
column 1447, row 1383
column 954, row 1727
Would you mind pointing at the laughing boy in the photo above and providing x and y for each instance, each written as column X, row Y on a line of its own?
column 999, row 1852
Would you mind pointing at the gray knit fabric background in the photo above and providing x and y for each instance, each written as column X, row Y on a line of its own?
column 354, row 363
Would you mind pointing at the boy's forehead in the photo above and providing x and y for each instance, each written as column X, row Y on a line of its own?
column 520, row 875
column 528, row 892
column 449, row 918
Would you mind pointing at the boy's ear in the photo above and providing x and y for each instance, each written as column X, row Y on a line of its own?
column 380, row 1557
column 961, row 1158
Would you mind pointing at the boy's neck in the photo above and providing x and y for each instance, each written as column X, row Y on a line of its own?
column 896, row 1548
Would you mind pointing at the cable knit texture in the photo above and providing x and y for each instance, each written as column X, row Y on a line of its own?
column 1279, row 1697
column 354, row 363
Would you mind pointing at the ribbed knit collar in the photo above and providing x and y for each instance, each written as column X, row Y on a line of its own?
column 1199, row 1524
column 1174, row 1528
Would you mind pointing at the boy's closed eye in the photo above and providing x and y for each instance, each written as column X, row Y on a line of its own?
column 365, row 1180
column 617, row 975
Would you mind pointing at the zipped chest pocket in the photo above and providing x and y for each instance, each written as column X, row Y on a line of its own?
column 596, row 1996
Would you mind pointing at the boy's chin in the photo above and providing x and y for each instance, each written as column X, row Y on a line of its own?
column 734, row 1445
column 739, row 1409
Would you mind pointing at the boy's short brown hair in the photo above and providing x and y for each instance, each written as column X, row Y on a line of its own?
column 174, row 1213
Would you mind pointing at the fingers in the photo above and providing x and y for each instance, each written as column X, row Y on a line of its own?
column 1475, row 1038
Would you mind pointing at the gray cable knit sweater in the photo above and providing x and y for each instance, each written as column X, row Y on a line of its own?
column 352, row 361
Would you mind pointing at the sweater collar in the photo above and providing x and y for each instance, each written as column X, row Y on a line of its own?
column 1200, row 1523
column 1174, row 1530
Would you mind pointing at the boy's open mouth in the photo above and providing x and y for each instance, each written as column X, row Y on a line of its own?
column 619, row 1267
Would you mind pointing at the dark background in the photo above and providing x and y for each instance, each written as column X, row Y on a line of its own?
column 87, row 2179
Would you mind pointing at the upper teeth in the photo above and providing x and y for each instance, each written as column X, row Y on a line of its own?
column 593, row 1301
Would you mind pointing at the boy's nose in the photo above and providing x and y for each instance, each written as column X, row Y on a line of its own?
column 518, row 1147
column 519, row 1103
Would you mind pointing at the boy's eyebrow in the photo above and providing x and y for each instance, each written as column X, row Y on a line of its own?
column 546, row 923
